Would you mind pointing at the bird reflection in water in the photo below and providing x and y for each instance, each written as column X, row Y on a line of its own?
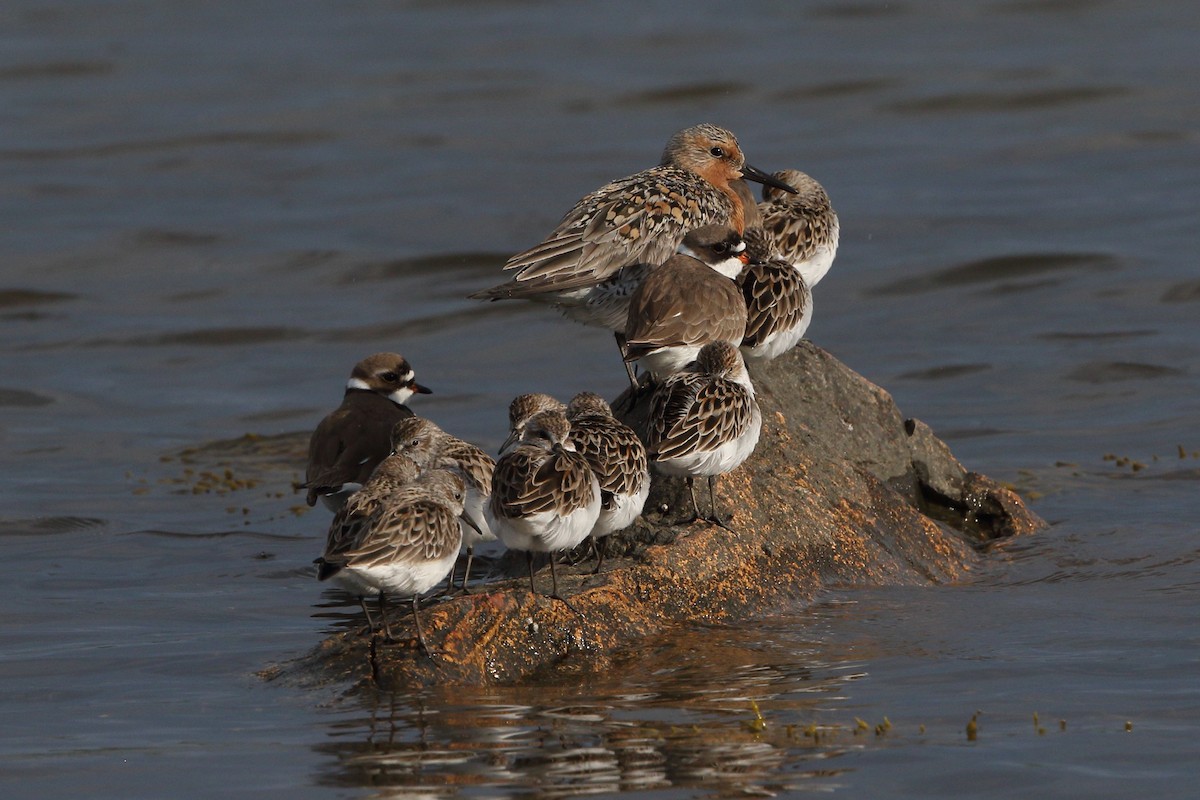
column 689, row 724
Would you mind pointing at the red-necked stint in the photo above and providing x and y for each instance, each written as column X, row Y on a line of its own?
column 351, row 441
column 779, row 304
column 803, row 224
column 618, row 460
column 545, row 497
column 523, row 408
column 424, row 442
column 398, row 535
column 704, row 421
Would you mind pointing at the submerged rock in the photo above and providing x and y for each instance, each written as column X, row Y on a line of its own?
column 841, row 489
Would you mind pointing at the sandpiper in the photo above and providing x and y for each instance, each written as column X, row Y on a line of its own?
column 638, row 219
column 704, row 421
column 398, row 535
column 779, row 303
column 522, row 409
column 751, row 214
column 545, row 497
column 689, row 301
column 429, row 446
column 618, row 460
column 351, row 440
column 802, row 222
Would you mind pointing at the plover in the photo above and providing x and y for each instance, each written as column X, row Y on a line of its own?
column 803, row 224
column 545, row 497
column 606, row 305
column 351, row 440
column 779, row 304
column 398, row 535
column 638, row 219
column 704, row 421
column 689, row 301
column 429, row 446
column 618, row 460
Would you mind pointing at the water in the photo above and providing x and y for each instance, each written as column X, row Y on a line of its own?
column 211, row 211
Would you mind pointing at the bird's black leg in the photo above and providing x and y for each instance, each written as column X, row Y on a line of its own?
column 420, row 633
column 600, row 547
column 556, row 595
column 715, row 518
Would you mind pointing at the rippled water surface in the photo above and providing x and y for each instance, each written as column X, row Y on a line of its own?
column 211, row 211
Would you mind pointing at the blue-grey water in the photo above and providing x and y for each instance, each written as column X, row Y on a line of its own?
column 210, row 211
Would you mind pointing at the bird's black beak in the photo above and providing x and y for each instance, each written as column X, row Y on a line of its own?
column 758, row 176
column 419, row 389
column 465, row 517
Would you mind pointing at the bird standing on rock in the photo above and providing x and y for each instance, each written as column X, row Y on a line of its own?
column 523, row 408
column 704, row 421
column 398, row 535
column 779, row 304
column 544, row 495
column 429, row 446
column 618, row 460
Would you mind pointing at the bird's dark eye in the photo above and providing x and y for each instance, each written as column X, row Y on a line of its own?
column 414, row 442
column 390, row 377
column 720, row 248
column 716, row 152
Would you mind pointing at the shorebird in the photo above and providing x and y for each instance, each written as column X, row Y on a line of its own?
column 606, row 305
column 802, row 222
column 638, row 219
column 687, row 302
column 351, row 441
column 398, row 535
column 431, row 447
column 779, row 304
column 751, row 214
column 522, row 409
column 618, row 460
column 704, row 421
column 545, row 497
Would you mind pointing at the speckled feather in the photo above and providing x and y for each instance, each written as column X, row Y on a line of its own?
column 531, row 479
column 614, row 452
column 777, row 299
column 432, row 444
column 804, row 226
column 638, row 219
column 477, row 466
column 693, row 412
column 376, row 518
column 412, row 530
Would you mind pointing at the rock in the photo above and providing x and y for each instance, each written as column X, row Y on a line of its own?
column 841, row 489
